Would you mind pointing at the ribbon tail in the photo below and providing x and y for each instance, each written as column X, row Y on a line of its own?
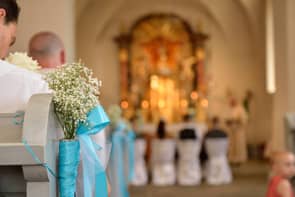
column 102, row 147
column 101, row 185
column 131, row 138
column 118, row 180
column 94, row 177
column 37, row 160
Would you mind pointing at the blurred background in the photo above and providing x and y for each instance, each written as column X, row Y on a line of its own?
column 164, row 59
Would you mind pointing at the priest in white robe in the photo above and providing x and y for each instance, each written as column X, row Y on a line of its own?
column 236, row 124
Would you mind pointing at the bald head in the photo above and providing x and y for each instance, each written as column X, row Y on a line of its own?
column 283, row 163
column 48, row 49
column 280, row 156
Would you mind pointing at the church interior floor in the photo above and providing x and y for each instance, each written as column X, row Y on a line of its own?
column 250, row 180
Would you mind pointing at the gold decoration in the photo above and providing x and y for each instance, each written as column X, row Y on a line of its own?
column 159, row 68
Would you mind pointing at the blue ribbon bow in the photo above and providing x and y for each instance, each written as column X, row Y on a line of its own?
column 94, row 176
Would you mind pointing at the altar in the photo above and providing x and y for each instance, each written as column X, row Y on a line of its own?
column 162, row 70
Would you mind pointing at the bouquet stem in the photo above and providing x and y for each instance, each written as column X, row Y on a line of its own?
column 69, row 157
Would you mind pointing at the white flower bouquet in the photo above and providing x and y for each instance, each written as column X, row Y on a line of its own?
column 23, row 60
column 75, row 93
column 75, row 99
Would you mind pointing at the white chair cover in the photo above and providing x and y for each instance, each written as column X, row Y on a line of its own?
column 140, row 172
column 217, row 168
column 163, row 167
column 189, row 171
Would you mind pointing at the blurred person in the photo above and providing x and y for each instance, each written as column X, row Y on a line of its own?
column 188, row 130
column 163, row 157
column 216, row 131
column 161, row 130
column 47, row 49
column 217, row 170
column 16, row 84
column 188, row 149
column 236, row 124
column 282, row 170
column 9, row 12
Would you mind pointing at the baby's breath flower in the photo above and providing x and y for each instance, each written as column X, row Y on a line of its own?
column 74, row 95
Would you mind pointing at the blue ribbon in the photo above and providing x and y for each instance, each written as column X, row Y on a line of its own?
column 123, row 148
column 35, row 157
column 130, row 137
column 118, row 180
column 94, row 176
column 18, row 118
column 69, row 158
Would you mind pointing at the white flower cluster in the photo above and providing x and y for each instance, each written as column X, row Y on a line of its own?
column 75, row 93
column 115, row 114
column 116, row 117
column 23, row 60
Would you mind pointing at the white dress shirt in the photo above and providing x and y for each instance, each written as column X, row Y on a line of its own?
column 17, row 85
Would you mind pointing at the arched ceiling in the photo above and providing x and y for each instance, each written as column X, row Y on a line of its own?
column 105, row 10
column 104, row 13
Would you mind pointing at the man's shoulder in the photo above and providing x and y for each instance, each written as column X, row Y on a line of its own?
column 13, row 70
column 6, row 67
column 20, row 77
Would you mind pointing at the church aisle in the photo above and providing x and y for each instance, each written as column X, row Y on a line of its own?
column 250, row 180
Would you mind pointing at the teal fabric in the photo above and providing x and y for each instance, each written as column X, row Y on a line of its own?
column 122, row 149
column 94, row 176
column 69, row 157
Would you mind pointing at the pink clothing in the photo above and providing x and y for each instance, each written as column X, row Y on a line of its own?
column 272, row 187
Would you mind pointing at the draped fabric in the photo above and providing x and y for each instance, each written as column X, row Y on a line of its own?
column 129, row 155
column 163, row 167
column 103, row 154
column 188, row 171
column 121, row 163
column 94, row 175
column 140, row 170
column 217, row 168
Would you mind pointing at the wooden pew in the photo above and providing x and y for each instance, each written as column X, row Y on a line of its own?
column 20, row 174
